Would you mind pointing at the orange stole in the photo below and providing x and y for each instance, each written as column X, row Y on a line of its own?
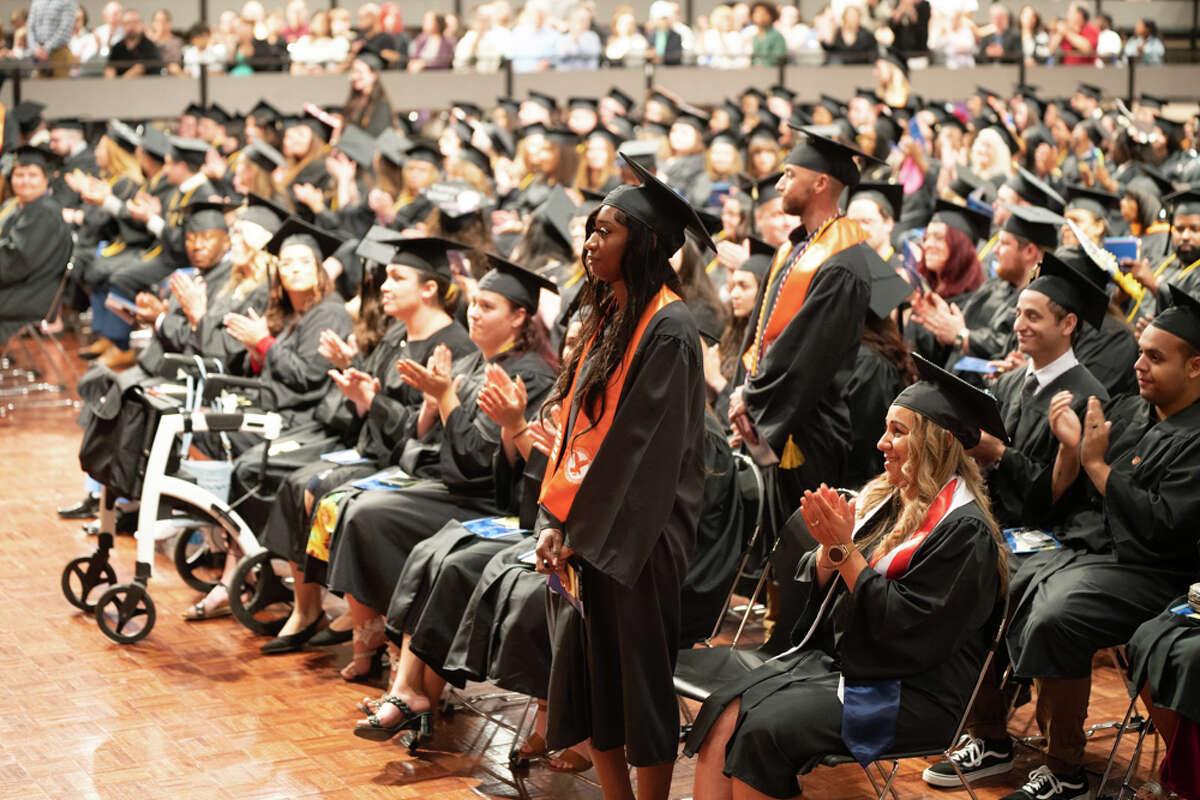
column 560, row 484
column 831, row 238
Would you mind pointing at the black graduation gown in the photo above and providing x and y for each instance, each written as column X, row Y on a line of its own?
column 689, row 175
column 799, row 392
column 930, row 628
column 1124, row 557
column 378, row 529
column 1020, row 483
column 989, row 313
column 84, row 161
column 35, row 245
column 175, row 334
column 1109, row 354
column 122, row 238
column 1164, row 654
column 873, row 385
column 632, row 526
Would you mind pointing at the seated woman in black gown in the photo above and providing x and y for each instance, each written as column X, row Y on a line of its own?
column 898, row 618
column 376, row 530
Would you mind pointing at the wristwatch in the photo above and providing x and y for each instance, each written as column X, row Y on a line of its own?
column 839, row 552
column 960, row 339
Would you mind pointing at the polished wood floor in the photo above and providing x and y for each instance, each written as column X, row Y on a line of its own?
column 194, row 710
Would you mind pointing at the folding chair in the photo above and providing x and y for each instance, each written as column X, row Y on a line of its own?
column 896, row 758
column 39, row 332
column 1131, row 722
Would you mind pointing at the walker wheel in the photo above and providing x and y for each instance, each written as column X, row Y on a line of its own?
column 82, row 576
column 125, row 613
column 198, row 565
column 260, row 592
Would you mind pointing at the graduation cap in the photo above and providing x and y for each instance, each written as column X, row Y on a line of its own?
column 1170, row 128
column 1034, row 190
column 659, row 208
column 946, row 116
column 193, row 110
column 265, row 114
column 456, row 199
column 1151, row 101
column 1036, row 135
column 28, row 114
column 754, row 91
column 868, row 94
column 1090, row 90
column 822, row 154
column 28, row 155
column 509, row 104
column 264, row 156
column 66, row 123
column 1034, row 224
column 296, row 231
column 1094, row 131
column 984, row 93
column 965, row 181
column 586, row 103
column 1097, row 202
column 154, row 142
column 769, row 119
column 1185, row 202
column 762, row 190
column 1037, row 105
column 952, row 403
column 643, row 152
column 888, row 289
column 473, row 155
column 392, row 147
column 1089, row 260
column 502, row 141
column 428, row 254
column 1071, row 289
column 373, row 247
column 734, row 112
column 975, row 224
column 1181, row 318
column 123, row 136
column 799, row 118
column 660, row 96
column 372, row 58
column 542, row 99
column 520, row 286
column 189, row 151
column 1147, row 172
column 216, row 114
column 424, row 150
column 622, row 127
column 556, row 213
column 358, row 145
column 623, row 100
column 894, row 57
column 888, row 196
column 462, row 130
column 763, row 131
column 604, row 133
column 204, row 215
column 693, row 117
column 712, row 222
column 655, row 129
column 761, row 256
column 782, row 92
column 264, row 213
column 321, row 128
column 1007, row 137
column 468, row 108
column 412, row 212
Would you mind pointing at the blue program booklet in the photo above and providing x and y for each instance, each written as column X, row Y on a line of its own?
column 973, row 364
column 1030, row 540
column 390, row 479
column 495, row 527
column 345, row 458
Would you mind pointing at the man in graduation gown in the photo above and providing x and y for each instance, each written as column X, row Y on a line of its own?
column 1124, row 556
column 35, row 243
column 1179, row 266
column 1110, row 350
column 791, row 407
column 68, row 143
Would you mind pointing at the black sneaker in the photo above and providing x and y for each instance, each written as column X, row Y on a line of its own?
column 1045, row 785
column 977, row 758
column 87, row 508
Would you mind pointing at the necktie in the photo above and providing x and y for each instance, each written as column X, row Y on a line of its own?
column 1029, row 389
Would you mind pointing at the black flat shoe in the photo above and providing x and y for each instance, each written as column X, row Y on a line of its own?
column 329, row 637
column 293, row 641
column 419, row 721
column 126, row 524
column 87, row 508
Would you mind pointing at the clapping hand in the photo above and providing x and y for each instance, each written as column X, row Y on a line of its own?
column 503, row 399
column 249, row 329
column 337, row 351
column 1064, row 422
column 359, row 387
column 310, row 196
column 149, row 306
column 433, row 380
column 189, row 292
column 829, row 517
column 1095, row 434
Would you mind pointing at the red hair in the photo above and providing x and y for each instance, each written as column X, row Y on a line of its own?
column 961, row 273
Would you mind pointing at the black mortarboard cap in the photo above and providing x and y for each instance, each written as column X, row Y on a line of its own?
column 1094, row 131
column 216, row 114
column 728, row 136
column 1181, row 318
column 66, row 123
column 473, row 155
column 780, row 91
column 951, row 403
column 1087, row 261
column 265, row 114
column 122, row 135
column 623, row 99
column 1034, row 190
column 712, row 222
column 1184, row 202
column 622, row 127
column 824, row 155
column 321, row 129
column 1068, row 116
column 763, row 131
column 296, row 231
column 734, row 112
column 946, row 116
column 761, row 256
column 563, row 137
column 888, row 289
column 889, row 196
column 372, row 59
column 264, row 155
column 1095, row 201
column 519, row 285
column 28, row 114
column 1092, row 91
column 694, row 118
column 556, row 213
column 31, row 155
column 833, row 105
column 894, row 56
column 392, row 146
column 754, row 90
column 799, row 118
column 762, row 190
column 204, row 215
column 427, row 254
column 189, row 151
column 662, row 97
column 589, row 103
column 657, row 129
column 264, row 213
column 509, row 104
column 659, row 208
column 457, row 199
column 468, row 108
column 1162, row 184
column 1151, row 101
column 604, row 133
column 965, row 181
column 975, row 224
column 643, row 152
column 193, row 110
column 867, row 93
column 358, row 145
column 1169, row 126
column 1035, row 224
column 154, row 142
column 373, row 246
column 1071, row 289
column 412, row 212
column 424, row 150
column 544, row 100
column 1007, row 137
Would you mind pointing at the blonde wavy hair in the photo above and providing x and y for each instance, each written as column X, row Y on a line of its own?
column 121, row 163
column 935, row 456
column 244, row 278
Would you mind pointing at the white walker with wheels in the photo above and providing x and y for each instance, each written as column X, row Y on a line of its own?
column 124, row 611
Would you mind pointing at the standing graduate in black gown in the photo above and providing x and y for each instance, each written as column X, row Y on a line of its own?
column 804, row 336
column 901, row 600
column 623, row 492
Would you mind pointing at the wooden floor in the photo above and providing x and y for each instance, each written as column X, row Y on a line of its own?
column 194, row 710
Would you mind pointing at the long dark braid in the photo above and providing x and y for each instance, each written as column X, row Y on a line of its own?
column 644, row 270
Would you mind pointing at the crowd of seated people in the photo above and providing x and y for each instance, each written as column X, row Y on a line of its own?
column 990, row 331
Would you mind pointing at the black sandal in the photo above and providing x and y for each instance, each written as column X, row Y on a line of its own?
column 375, row 731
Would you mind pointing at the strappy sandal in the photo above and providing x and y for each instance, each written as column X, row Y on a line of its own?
column 534, row 747
column 375, row 656
column 198, row 612
column 569, row 760
column 419, row 721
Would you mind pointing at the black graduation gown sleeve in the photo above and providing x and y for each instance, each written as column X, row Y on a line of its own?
column 872, row 387
column 293, row 366
column 35, row 244
column 1109, row 353
column 800, row 366
column 646, row 479
column 990, row 315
